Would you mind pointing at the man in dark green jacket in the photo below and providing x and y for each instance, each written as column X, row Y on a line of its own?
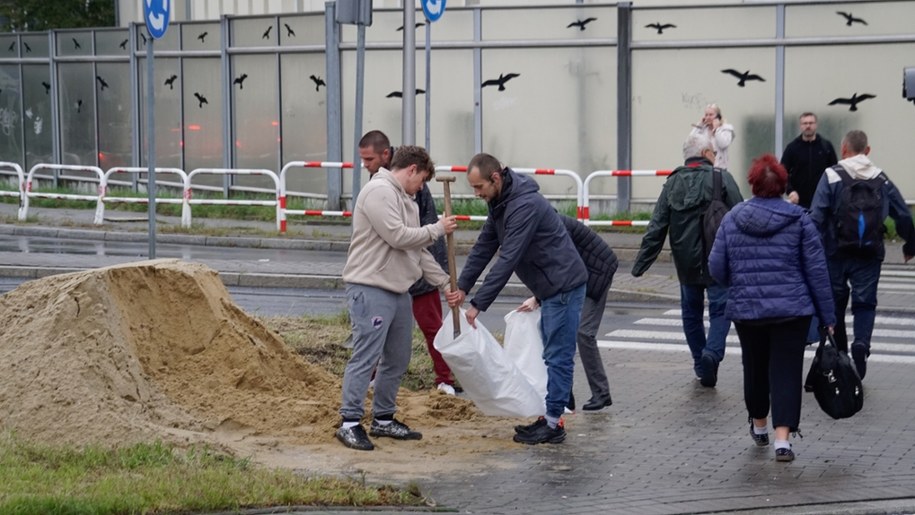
column 679, row 210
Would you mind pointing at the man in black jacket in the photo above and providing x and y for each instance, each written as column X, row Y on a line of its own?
column 805, row 159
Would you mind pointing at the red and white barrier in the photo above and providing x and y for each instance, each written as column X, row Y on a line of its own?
column 584, row 209
column 185, row 207
column 20, row 185
column 232, row 202
column 282, row 211
column 24, row 210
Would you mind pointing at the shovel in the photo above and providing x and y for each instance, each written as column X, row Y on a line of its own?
column 449, row 241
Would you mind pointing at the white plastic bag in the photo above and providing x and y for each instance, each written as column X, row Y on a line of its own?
column 488, row 376
column 524, row 347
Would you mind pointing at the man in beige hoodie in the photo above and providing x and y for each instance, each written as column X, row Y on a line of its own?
column 387, row 254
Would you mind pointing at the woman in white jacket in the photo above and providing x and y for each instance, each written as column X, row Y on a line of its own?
column 719, row 131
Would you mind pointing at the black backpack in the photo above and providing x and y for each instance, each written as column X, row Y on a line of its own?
column 713, row 214
column 859, row 214
column 834, row 380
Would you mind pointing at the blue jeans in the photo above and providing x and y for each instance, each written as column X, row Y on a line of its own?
column 692, row 304
column 862, row 275
column 559, row 317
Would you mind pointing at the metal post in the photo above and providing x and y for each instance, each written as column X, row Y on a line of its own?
column 334, row 105
column 55, row 104
column 428, row 85
column 151, row 144
column 228, row 129
column 477, row 81
column 409, row 73
column 779, row 80
column 357, row 107
column 624, row 106
column 135, row 145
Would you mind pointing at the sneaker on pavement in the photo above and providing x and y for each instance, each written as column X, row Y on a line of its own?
column 784, row 454
column 859, row 355
column 354, row 438
column 543, row 433
column 446, row 388
column 709, row 371
column 761, row 440
column 541, row 421
column 396, row 430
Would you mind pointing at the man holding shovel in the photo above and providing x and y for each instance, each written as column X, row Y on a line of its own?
column 533, row 243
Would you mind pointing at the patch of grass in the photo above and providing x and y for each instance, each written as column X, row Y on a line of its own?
column 157, row 478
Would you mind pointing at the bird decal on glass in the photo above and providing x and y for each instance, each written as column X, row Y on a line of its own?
column 203, row 36
column 27, row 47
column 240, row 80
column 170, row 82
column 12, row 46
column 743, row 77
column 123, row 44
column 398, row 94
column 200, row 100
column 849, row 19
column 79, row 106
column 660, row 26
column 318, row 82
column 503, row 78
column 266, row 34
column 580, row 23
column 289, row 32
column 852, row 102
column 76, row 45
column 47, row 87
column 418, row 25
column 101, row 83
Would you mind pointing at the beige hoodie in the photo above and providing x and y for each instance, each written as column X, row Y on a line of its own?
column 388, row 247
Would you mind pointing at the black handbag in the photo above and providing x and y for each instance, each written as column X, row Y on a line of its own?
column 834, row 380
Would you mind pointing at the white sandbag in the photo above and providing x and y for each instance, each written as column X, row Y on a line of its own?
column 524, row 347
column 488, row 377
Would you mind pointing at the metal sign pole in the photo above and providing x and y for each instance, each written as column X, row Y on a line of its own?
column 151, row 144
column 428, row 85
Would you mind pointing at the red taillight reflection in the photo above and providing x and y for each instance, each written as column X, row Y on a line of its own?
column 193, row 127
column 275, row 123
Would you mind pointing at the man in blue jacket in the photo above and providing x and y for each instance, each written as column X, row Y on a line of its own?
column 857, row 268
column 533, row 243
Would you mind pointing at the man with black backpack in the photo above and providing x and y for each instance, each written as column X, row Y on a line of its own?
column 851, row 202
column 690, row 207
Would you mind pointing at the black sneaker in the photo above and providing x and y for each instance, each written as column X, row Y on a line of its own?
column 542, row 434
column 541, row 421
column 396, row 430
column 761, row 440
column 859, row 355
column 354, row 438
column 784, row 454
column 709, row 369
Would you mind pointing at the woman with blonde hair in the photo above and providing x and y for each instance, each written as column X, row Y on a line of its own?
column 719, row 131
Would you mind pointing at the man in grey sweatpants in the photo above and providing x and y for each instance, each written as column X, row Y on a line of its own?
column 387, row 254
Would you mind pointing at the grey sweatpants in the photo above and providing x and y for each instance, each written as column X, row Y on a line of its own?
column 591, row 314
column 382, row 324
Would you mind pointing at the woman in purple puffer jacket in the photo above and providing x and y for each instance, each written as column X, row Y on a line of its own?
column 769, row 255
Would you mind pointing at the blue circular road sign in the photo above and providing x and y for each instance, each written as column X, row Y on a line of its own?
column 433, row 9
column 157, row 13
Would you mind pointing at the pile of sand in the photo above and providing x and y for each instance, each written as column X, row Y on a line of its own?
column 157, row 350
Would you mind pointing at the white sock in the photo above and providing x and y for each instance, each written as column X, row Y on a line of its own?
column 552, row 421
column 349, row 425
column 760, row 430
column 782, row 444
column 383, row 422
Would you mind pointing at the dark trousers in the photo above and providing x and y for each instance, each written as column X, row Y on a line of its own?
column 773, row 369
column 855, row 278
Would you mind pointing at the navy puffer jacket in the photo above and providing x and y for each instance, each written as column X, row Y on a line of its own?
column 768, row 252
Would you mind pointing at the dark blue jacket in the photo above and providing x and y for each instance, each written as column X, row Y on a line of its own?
column 531, row 240
column 769, row 255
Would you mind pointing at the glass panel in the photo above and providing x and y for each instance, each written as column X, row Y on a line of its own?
column 37, row 114
column 77, row 114
column 203, row 89
column 111, row 42
column 813, row 81
column 35, row 45
column 10, row 115
column 168, row 42
column 866, row 18
column 257, row 126
column 74, row 43
column 580, row 22
column 254, row 32
column 304, row 127
column 169, row 145
column 114, row 120
column 200, row 36
column 711, row 23
column 387, row 26
column 9, row 45
column 574, row 130
column 680, row 103
column 302, row 30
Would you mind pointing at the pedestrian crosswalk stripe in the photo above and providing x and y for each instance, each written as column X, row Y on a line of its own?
column 878, row 332
column 670, row 347
column 849, row 320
